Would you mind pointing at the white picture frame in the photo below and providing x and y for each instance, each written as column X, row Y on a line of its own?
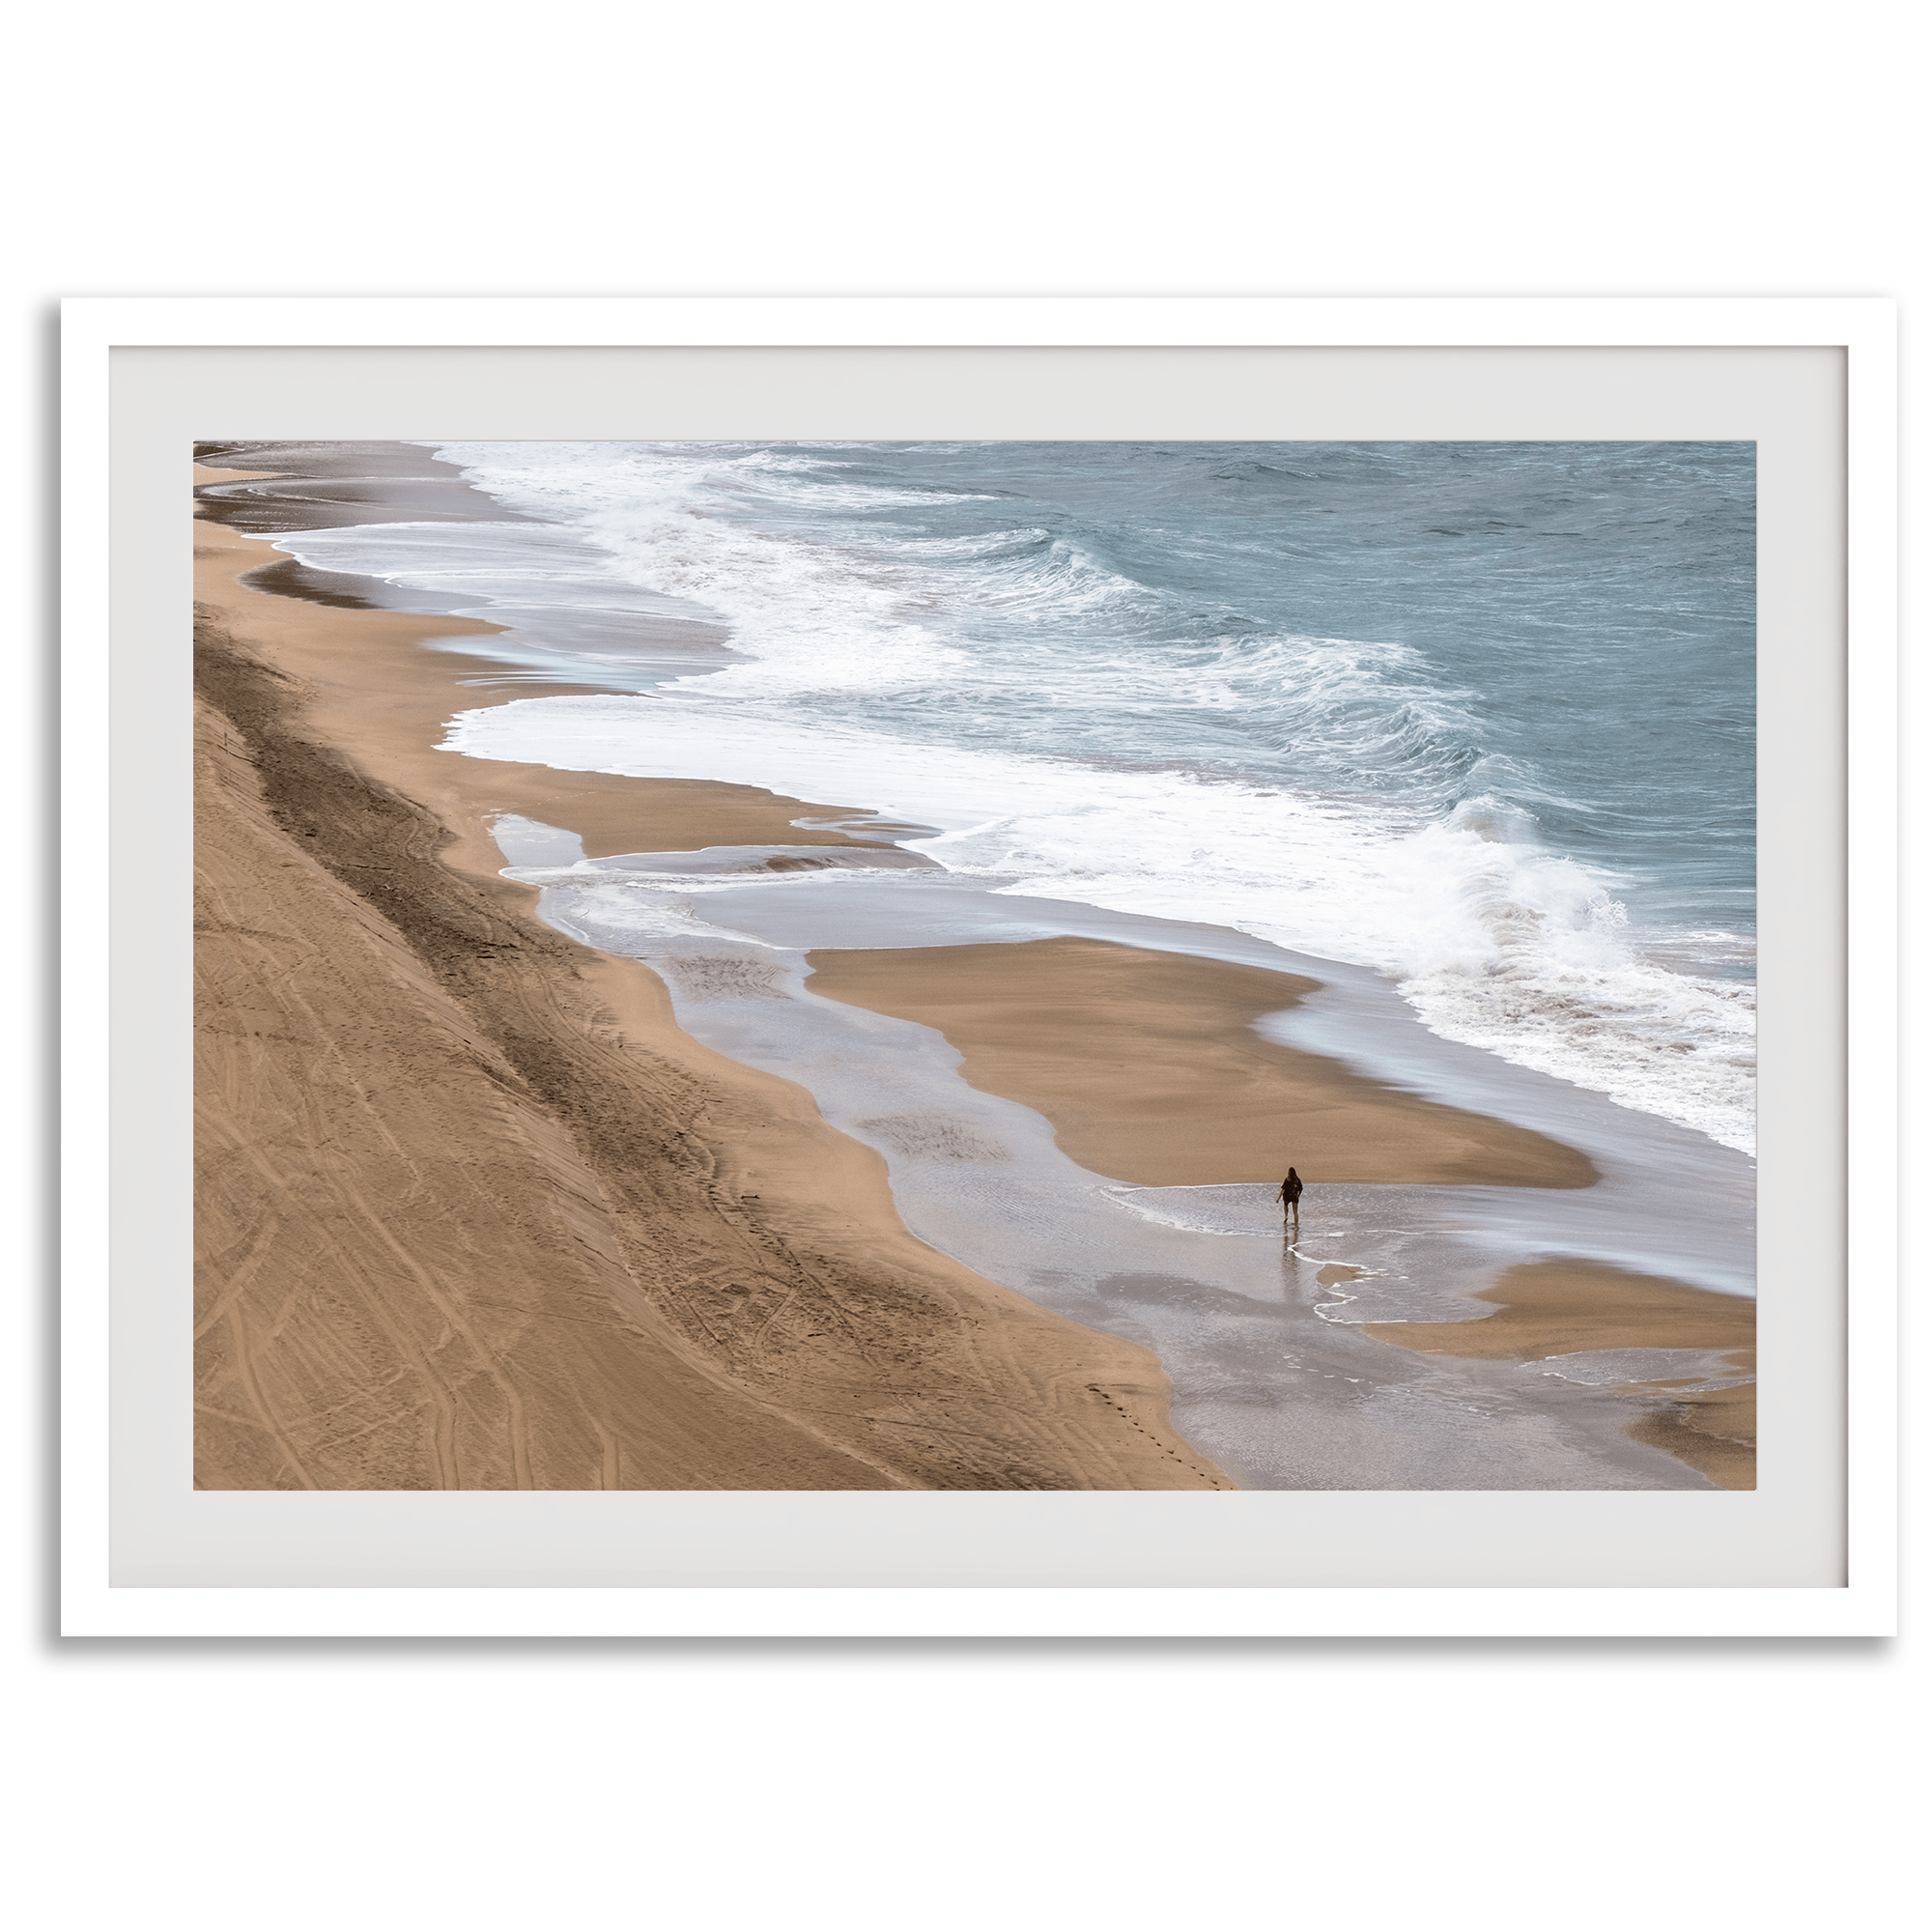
column 1862, row 1603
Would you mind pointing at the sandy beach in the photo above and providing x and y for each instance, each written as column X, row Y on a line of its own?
column 473, row 1213
column 476, row 1211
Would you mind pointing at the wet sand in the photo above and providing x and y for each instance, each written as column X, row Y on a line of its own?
column 472, row 1212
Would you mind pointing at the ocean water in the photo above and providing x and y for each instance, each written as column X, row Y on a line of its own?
column 1478, row 717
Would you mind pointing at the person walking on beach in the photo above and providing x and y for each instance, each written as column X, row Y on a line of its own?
column 1291, row 1199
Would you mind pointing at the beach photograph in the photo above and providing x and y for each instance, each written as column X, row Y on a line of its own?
column 975, row 965
column 856, row 674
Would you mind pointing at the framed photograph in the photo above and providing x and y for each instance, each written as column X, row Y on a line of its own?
column 1077, row 967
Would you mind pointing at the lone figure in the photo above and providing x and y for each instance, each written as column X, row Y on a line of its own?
column 1291, row 1199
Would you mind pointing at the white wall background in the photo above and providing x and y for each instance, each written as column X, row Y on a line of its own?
column 406, row 148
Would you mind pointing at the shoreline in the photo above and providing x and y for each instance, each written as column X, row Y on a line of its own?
column 474, row 1213
column 1400, row 1136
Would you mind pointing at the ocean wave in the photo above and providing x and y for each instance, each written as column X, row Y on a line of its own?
column 1080, row 653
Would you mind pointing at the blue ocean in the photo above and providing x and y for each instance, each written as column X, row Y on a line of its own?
column 1478, row 717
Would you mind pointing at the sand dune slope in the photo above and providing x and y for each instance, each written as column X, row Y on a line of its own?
column 472, row 1214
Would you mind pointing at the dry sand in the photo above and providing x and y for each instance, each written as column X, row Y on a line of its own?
column 1149, row 1067
column 1565, row 1306
column 472, row 1212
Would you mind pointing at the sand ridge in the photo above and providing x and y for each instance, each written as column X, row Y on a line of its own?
column 1150, row 1069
